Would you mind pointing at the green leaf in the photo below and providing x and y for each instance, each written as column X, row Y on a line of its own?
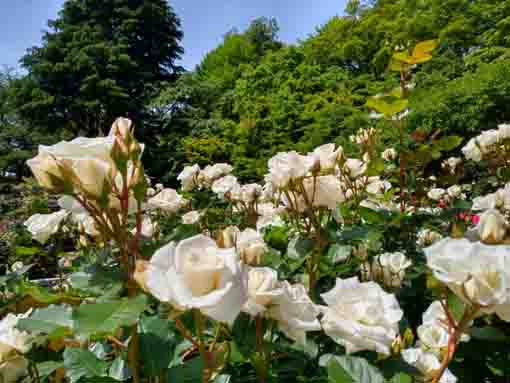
column 105, row 318
column 456, row 306
column 189, row 372
column 401, row 378
column 424, row 47
column 389, row 109
column 243, row 333
column 449, row 143
column 299, row 248
column 45, row 369
column 27, row 251
column 97, row 281
column 157, row 344
column 488, row 333
column 54, row 321
column 119, row 370
column 338, row 253
column 350, row 369
column 80, row 363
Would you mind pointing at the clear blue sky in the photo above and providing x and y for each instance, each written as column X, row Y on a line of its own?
column 204, row 22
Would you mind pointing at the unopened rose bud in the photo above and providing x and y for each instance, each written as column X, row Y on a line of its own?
column 252, row 254
column 389, row 154
column 227, row 238
column 121, row 128
column 492, row 227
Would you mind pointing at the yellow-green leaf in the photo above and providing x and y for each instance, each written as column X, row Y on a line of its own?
column 425, row 47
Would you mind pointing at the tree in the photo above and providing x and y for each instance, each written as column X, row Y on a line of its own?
column 101, row 59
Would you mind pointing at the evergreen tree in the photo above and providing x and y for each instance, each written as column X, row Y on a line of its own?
column 101, row 59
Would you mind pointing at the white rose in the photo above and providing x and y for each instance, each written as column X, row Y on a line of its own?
column 167, row 200
column 251, row 246
column 295, row 312
column 476, row 272
column 492, row 227
column 46, row 171
column 390, row 267
column 378, row 186
column 427, row 237
column 454, row 191
column 287, row 166
column 43, row 226
column 354, row 167
column 389, row 154
column 427, row 363
column 263, row 288
column 324, row 191
column 451, row 164
column 361, row 316
column 471, row 151
column 90, row 162
column 13, row 369
column 86, row 224
column 159, row 187
column 487, row 139
column 268, row 214
column 148, row 228
column 93, row 176
column 250, row 192
column 325, row 157
column 195, row 273
column 191, row 217
column 12, row 340
column 189, row 177
column 436, row 194
column 213, row 172
column 227, row 237
column 503, row 132
column 433, row 337
column 227, row 186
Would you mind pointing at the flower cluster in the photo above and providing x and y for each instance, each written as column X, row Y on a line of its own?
column 13, row 344
column 488, row 144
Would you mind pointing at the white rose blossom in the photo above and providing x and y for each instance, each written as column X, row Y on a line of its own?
column 390, row 268
column 195, row 273
column 355, row 167
column 389, row 154
column 88, row 158
column 427, row 363
column 427, row 237
column 288, row 166
column 471, row 151
column 251, row 246
column 227, row 186
column 436, row 194
column 361, row 316
column 167, row 200
column 43, row 226
column 189, row 177
column 492, row 227
column 295, row 312
column 325, row 157
column 263, row 288
column 13, row 343
column 191, row 217
column 477, row 273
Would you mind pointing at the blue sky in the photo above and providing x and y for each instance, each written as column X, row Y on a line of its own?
column 204, row 22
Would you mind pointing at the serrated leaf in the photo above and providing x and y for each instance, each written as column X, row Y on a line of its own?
column 97, row 281
column 401, row 378
column 389, row 109
column 339, row 253
column 105, row 318
column 80, row 363
column 350, row 369
column 48, row 321
column 157, row 344
column 299, row 248
column 449, row 142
